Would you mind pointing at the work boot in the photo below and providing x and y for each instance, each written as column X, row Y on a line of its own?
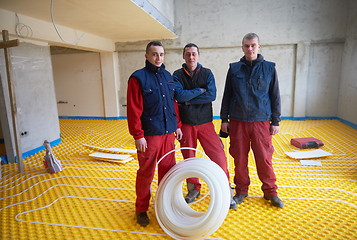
column 275, row 201
column 233, row 204
column 192, row 194
column 142, row 218
column 239, row 198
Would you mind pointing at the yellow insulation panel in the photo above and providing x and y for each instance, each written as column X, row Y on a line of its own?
column 93, row 199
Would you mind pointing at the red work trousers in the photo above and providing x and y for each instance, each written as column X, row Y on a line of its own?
column 157, row 146
column 211, row 144
column 255, row 135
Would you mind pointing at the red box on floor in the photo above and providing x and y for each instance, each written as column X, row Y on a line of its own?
column 308, row 142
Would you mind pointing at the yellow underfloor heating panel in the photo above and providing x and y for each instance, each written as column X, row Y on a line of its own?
column 94, row 199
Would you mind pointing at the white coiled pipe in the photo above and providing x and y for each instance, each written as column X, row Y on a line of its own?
column 175, row 216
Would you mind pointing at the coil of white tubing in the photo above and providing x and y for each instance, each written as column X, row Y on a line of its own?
column 175, row 216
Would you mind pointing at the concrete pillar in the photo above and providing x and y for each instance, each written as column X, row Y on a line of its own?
column 301, row 78
column 110, row 76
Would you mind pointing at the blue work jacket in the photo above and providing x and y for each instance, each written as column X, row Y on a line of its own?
column 251, row 92
column 157, row 87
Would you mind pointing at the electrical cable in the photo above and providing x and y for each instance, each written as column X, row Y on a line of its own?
column 175, row 216
column 58, row 33
column 22, row 30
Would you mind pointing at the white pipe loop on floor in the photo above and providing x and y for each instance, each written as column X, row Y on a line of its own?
column 175, row 216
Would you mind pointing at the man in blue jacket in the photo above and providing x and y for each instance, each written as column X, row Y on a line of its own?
column 250, row 113
column 195, row 90
column 153, row 122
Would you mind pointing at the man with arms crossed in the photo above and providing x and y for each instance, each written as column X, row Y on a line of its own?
column 195, row 90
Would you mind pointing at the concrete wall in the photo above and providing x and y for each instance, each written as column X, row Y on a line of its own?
column 324, row 79
column 35, row 95
column 213, row 23
column 348, row 84
column 78, row 84
column 166, row 8
column 305, row 38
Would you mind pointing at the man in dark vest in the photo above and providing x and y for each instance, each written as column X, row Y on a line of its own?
column 195, row 90
column 250, row 113
column 153, row 120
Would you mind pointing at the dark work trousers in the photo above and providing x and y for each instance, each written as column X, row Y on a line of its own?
column 211, row 144
column 255, row 135
column 157, row 146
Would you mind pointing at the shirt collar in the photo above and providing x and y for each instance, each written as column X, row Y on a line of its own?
column 154, row 68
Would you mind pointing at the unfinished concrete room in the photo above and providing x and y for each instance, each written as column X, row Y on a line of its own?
column 69, row 164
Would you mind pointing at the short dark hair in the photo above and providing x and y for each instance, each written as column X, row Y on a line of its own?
column 153, row 43
column 188, row 45
column 250, row 36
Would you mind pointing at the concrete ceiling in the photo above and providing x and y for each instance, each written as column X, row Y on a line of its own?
column 118, row 20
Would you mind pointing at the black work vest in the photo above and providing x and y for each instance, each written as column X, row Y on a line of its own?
column 195, row 114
